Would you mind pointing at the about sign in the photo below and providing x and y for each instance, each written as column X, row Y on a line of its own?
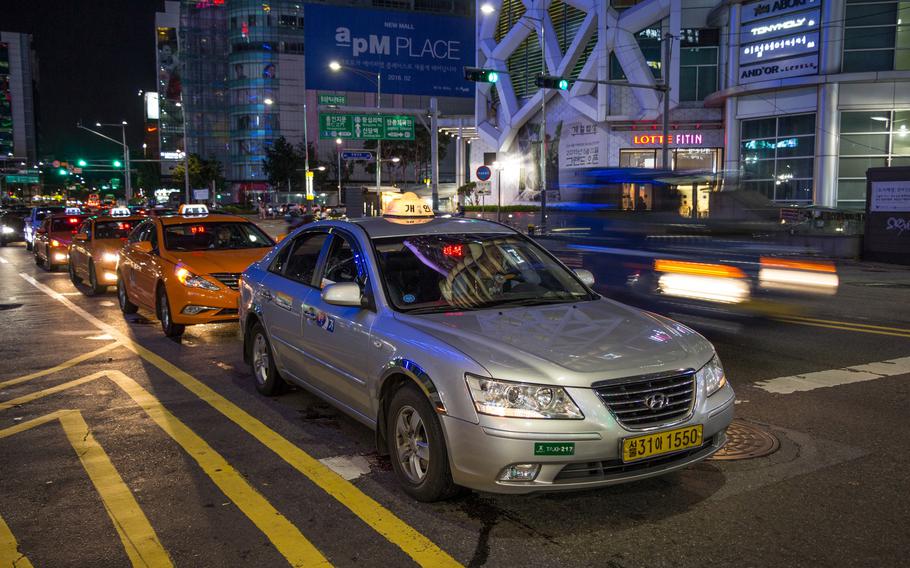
column 769, row 8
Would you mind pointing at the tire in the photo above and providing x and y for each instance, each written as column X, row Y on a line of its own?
column 48, row 265
column 93, row 287
column 38, row 260
column 29, row 246
column 262, row 363
column 73, row 277
column 123, row 299
column 2, row 243
column 412, row 425
column 168, row 326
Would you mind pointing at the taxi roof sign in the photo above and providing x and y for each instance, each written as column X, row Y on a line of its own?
column 120, row 212
column 72, row 211
column 193, row 209
column 408, row 206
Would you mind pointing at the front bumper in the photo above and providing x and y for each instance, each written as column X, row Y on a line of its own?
column 183, row 302
column 58, row 255
column 478, row 453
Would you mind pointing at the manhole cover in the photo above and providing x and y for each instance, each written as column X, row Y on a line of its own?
column 745, row 441
column 9, row 306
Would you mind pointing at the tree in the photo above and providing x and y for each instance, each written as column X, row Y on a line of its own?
column 415, row 154
column 281, row 163
column 202, row 172
column 149, row 177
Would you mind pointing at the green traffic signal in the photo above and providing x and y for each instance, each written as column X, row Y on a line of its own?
column 550, row 82
column 563, row 85
column 492, row 77
column 479, row 75
column 81, row 163
column 62, row 171
column 118, row 164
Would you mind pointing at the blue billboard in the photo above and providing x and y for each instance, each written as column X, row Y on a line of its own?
column 417, row 54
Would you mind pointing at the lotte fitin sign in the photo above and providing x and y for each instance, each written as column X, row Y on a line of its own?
column 679, row 139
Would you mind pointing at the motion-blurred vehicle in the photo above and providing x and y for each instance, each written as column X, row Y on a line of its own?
column 186, row 267
column 52, row 240
column 35, row 218
column 478, row 358
column 12, row 226
column 95, row 250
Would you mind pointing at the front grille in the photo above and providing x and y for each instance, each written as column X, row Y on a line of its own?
column 229, row 279
column 602, row 470
column 629, row 401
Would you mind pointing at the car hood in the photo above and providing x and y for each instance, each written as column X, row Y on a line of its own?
column 215, row 262
column 568, row 344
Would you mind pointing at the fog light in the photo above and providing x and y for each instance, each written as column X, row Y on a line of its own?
column 60, row 257
column 193, row 310
column 110, row 276
column 520, row 472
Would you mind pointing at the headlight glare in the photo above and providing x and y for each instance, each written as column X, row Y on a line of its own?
column 521, row 400
column 7, row 230
column 110, row 257
column 712, row 375
column 191, row 280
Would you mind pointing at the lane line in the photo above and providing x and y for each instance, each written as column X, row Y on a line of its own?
column 136, row 533
column 848, row 323
column 835, row 377
column 843, row 328
column 9, row 549
column 286, row 537
column 61, row 366
column 421, row 549
column 3, row 260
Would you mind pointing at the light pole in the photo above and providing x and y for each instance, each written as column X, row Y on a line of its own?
column 376, row 80
column 338, row 142
column 128, row 186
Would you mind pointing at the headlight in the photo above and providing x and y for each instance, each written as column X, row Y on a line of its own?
column 713, row 375
column 189, row 279
column 520, row 400
column 55, row 243
column 7, row 230
column 110, row 257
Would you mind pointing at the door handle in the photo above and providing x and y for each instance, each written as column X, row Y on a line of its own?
column 309, row 314
column 265, row 295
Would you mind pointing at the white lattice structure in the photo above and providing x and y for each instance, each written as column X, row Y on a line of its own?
column 615, row 34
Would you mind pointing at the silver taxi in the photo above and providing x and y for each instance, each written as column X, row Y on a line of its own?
column 478, row 359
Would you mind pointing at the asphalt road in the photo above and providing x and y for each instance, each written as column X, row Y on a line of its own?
column 118, row 445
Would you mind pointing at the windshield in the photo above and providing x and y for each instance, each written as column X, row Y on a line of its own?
column 62, row 224
column 113, row 229
column 439, row 273
column 214, row 236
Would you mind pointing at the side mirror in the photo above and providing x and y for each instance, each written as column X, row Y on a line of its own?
column 586, row 277
column 343, row 294
column 80, row 237
column 142, row 246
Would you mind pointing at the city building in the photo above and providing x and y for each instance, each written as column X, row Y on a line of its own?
column 18, row 94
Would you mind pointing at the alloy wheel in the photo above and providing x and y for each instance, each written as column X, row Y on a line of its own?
column 412, row 444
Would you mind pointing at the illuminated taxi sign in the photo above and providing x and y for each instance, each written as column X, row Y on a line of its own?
column 120, row 212
column 408, row 206
column 189, row 209
column 72, row 211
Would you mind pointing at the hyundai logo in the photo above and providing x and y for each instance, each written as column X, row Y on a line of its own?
column 656, row 401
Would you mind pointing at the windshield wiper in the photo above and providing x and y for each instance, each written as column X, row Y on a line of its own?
column 436, row 310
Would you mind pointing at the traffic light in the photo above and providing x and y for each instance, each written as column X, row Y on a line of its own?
column 479, row 75
column 63, row 172
column 551, row 82
column 81, row 163
column 118, row 164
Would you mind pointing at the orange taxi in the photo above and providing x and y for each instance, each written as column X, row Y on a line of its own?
column 95, row 250
column 187, row 267
column 53, row 239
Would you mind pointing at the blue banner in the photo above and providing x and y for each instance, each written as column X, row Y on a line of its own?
column 416, row 54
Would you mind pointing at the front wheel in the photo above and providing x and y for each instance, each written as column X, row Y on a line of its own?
column 168, row 326
column 268, row 381
column 417, row 446
column 29, row 246
column 93, row 286
column 123, row 299
column 74, row 278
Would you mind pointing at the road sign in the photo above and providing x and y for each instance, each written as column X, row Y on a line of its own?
column 483, row 187
column 337, row 100
column 483, row 173
column 351, row 155
column 366, row 126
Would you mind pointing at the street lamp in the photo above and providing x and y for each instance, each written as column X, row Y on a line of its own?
column 376, row 80
column 338, row 142
column 128, row 186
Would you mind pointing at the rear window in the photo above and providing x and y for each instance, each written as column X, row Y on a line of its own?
column 113, row 229
column 215, row 236
column 44, row 212
column 62, row 224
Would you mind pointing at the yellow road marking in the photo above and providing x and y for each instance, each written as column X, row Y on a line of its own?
column 843, row 327
column 848, row 323
column 286, row 537
column 9, row 549
column 421, row 549
column 136, row 533
column 61, row 366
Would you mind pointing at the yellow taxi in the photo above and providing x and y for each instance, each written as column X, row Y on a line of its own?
column 187, row 267
column 53, row 239
column 95, row 250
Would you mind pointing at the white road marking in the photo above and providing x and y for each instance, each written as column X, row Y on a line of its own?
column 835, row 377
column 3, row 260
column 104, row 337
column 348, row 467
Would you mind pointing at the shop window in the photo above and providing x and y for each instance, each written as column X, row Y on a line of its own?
column 869, row 139
column 698, row 56
column 778, row 157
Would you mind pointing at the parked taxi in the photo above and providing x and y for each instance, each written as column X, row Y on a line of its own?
column 95, row 250
column 53, row 237
column 186, row 267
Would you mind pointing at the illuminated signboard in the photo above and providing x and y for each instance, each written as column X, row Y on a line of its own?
column 765, row 9
column 673, row 139
column 780, row 39
column 776, row 48
column 782, row 26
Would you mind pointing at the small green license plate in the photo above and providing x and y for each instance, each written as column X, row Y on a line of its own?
column 554, row 448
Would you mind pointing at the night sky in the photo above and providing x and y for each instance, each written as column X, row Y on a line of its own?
column 93, row 57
